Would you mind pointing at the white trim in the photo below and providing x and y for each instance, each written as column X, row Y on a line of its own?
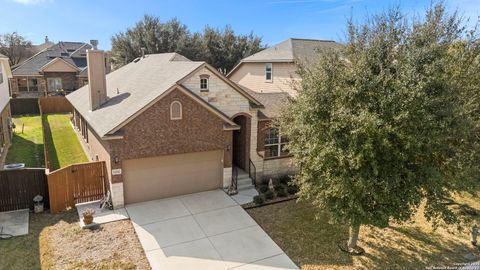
column 172, row 117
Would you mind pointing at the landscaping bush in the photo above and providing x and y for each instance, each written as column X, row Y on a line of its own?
column 263, row 188
column 284, row 179
column 292, row 189
column 269, row 195
column 282, row 193
column 279, row 187
column 258, row 199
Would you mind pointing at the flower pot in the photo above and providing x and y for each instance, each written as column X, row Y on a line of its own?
column 88, row 220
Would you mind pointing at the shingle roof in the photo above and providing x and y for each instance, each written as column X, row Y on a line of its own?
column 72, row 52
column 2, row 56
column 293, row 49
column 273, row 102
column 138, row 83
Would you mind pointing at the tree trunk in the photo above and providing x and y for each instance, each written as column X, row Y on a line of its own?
column 352, row 240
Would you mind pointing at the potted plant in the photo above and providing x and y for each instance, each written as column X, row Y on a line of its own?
column 88, row 216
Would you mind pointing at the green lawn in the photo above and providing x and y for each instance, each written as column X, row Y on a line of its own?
column 27, row 143
column 62, row 143
column 311, row 242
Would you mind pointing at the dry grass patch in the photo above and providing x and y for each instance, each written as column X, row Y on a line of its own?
column 58, row 242
column 65, row 245
column 311, row 243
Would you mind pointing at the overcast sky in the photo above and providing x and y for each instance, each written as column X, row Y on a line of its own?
column 273, row 20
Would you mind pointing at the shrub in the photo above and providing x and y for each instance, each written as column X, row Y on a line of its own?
column 269, row 195
column 279, row 187
column 284, row 179
column 263, row 188
column 282, row 193
column 258, row 199
column 292, row 189
column 265, row 180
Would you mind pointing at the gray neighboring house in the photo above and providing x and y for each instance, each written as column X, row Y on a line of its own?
column 61, row 67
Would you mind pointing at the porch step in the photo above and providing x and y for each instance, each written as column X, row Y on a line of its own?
column 245, row 184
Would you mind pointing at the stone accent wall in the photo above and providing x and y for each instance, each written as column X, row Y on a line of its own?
column 277, row 167
column 220, row 94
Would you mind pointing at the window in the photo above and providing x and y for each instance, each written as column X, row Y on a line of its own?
column 203, row 84
column 54, row 84
column 175, row 110
column 1, row 75
column 268, row 72
column 275, row 143
column 28, row 85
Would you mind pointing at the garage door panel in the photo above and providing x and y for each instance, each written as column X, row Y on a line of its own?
column 166, row 176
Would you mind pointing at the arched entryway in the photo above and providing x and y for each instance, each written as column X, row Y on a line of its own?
column 241, row 142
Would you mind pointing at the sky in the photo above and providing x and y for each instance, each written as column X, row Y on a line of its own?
column 273, row 20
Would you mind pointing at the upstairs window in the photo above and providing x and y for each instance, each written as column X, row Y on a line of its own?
column 175, row 110
column 268, row 72
column 275, row 143
column 204, row 82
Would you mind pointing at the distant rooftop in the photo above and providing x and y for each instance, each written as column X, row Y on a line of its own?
column 72, row 52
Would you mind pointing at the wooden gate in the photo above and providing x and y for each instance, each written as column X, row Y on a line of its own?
column 19, row 187
column 76, row 183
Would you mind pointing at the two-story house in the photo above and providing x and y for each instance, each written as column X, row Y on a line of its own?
column 271, row 76
column 5, row 116
column 57, row 69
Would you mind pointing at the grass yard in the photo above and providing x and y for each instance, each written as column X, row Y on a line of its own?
column 58, row 242
column 62, row 143
column 27, row 143
column 311, row 243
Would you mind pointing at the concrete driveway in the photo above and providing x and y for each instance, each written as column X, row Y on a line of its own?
column 206, row 230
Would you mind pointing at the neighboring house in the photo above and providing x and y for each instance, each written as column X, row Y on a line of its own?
column 270, row 76
column 5, row 116
column 61, row 67
column 165, row 126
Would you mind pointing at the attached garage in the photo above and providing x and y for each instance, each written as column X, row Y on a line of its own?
column 166, row 176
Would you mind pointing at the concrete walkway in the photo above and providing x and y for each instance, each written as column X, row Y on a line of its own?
column 14, row 222
column 206, row 230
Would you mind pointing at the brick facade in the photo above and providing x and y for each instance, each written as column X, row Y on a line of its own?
column 152, row 134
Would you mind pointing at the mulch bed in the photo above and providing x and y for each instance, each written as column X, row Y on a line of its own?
column 269, row 202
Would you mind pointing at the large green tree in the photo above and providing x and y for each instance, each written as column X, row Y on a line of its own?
column 389, row 122
column 221, row 48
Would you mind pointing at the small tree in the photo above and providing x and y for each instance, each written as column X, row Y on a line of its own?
column 390, row 122
column 15, row 47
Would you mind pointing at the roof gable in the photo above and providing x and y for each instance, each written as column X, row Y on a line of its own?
column 290, row 50
column 59, row 65
column 131, row 89
column 72, row 53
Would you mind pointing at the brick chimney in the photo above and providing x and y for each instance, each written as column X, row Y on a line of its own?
column 97, row 83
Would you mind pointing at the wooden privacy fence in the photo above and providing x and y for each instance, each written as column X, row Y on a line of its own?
column 76, row 184
column 55, row 104
column 19, row 187
column 20, row 106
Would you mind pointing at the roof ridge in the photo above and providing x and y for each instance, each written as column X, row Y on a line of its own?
column 30, row 58
column 312, row 39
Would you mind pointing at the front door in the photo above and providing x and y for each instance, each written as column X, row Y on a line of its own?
column 241, row 142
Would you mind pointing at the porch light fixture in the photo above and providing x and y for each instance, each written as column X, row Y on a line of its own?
column 116, row 160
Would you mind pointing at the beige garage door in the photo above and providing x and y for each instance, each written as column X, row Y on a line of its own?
column 166, row 176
